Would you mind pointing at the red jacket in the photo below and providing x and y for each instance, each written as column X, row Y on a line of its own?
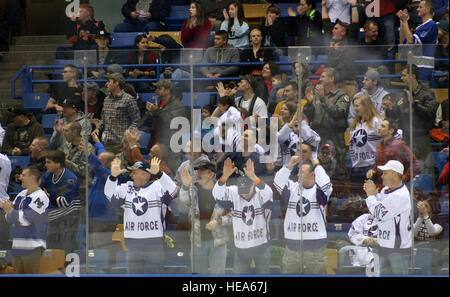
column 196, row 37
column 443, row 178
column 395, row 149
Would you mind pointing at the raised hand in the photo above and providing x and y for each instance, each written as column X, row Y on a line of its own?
column 115, row 167
column 228, row 168
column 186, row 177
column 154, row 166
column 370, row 188
column 225, row 14
column 249, row 170
column 293, row 161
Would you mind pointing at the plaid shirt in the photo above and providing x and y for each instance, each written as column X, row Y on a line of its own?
column 395, row 149
column 119, row 113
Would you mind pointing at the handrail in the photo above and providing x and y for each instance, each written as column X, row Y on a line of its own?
column 197, row 65
column 13, row 83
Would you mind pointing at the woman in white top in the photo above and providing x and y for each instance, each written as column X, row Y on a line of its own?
column 229, row 128
column 363, row 137
column 234, row 23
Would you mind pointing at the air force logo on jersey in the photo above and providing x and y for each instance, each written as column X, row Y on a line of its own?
column 306, row 207
column 248, row 214
column 360, row 137
column 140, row 205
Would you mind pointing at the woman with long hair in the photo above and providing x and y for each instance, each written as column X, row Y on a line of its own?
column 196, row 29
column 235, row 25
column 140, row 54
column 363, row 137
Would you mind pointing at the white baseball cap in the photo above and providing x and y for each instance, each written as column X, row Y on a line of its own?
column 392, row 165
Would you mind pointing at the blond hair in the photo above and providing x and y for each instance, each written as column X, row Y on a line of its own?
column 370, row 111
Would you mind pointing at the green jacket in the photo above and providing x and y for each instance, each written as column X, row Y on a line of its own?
column 329, row 113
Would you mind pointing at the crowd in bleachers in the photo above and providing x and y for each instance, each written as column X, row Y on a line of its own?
column 346, row 121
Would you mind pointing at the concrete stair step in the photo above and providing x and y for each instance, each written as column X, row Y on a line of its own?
column 27, row 40
column 29, row 58
column 35, row 48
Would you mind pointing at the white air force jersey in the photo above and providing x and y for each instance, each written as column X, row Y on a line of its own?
column 250, row 218
column 392, row 209
column 231, row 120
column 312, row 224
column 363, row 143
column 144, row 208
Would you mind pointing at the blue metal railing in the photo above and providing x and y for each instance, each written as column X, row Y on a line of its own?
column 28, row 82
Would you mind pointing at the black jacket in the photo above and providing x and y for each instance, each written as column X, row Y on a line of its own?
column 160, row 9
column 308, row 29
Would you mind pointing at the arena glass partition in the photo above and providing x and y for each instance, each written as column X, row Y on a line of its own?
column 157, row 227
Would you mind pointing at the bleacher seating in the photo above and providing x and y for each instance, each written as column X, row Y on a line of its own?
column 21, row 161
column 424, row 182
column 200, row 99
column 178, row 13
column 148, row 97
column 123, row 39
column 48, row 121
column 35, row 101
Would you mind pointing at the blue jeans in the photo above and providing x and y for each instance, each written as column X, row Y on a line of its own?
column 211, row 257
column 139, row 27
column 142, row 261
column 396, row 263
column 262, row 263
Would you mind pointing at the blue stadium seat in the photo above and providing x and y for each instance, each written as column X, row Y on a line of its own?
column 440, row 159
column 35, row 101
column 424, row 182
column 21, row 161
column 200, row 99
column 148, row 97
column 444, row 205
column 178, row 14
column 123, row 39
column 287, row 67
column 48, row 121
column 144, row 141
column 322, row 58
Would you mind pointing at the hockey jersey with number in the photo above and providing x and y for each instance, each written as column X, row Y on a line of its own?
column 363, row 143
column 250, row 218
column 29, row 218
column 144, row 208
column 392, row 209
column 305, row 218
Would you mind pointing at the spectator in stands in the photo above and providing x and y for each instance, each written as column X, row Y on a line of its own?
column 144, row 16
column 229, row 126
column 70, row 114
column 20, row 132
column 249, row 101
column 305, row 81
column 82, row 32
column 442, row 115
column 392, row 209
column 316, row 191
column 326, row 159
column 145, row 253
column 105, row 55
column 120, row 112
column 307, row 26
column 427, row 233
column 390, row 148
column 273, row 29
column 391, row 109
column 214, row 11
column 38, row 147
column 250, row 201
column 169, row 54
column 76, row 158
column 277, row 92
column 424, row 112
column 371, row 87
column 61, row 186
column 255, row 53
column 363, row 137
column 5, row 175
column 269, row 70
column 67, row 89
column 140, row 54
column 221, row 52
column 371, row 47
column 28, row 215
column 235, row 25
column 210, row 223
column 195, row 30
column 290, row 94
column 443, row 177
column 197, row 156
column 442, row 53
column 95, row 102
column 160, row 114
column 425, row 34
column 327, row 108
column 341, row 55
column 102, row 216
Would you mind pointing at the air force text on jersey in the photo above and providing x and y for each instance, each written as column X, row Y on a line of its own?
column 142, row 226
